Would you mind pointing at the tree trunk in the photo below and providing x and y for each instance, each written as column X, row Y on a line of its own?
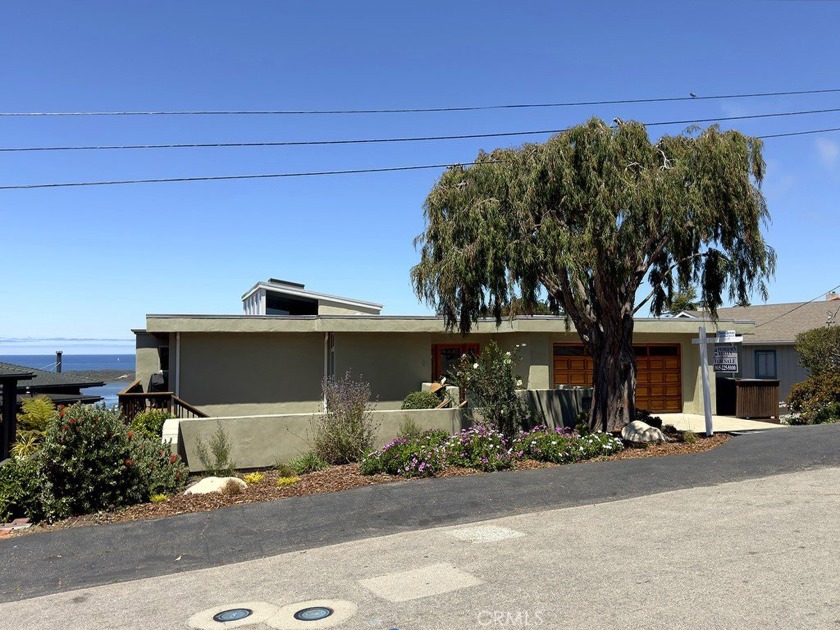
column 614, row 378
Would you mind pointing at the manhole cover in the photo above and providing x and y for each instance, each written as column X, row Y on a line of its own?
column 234, row 614
column 314, row 613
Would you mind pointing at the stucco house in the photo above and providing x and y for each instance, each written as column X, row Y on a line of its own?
column 272, row 358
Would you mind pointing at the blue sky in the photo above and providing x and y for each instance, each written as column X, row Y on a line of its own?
column 89, row 263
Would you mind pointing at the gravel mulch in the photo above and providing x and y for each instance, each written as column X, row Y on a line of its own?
column 334, row 479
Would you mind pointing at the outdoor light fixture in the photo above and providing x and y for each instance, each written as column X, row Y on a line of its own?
column 314, row 613
column 234, row 614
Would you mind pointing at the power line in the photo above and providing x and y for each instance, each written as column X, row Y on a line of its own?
column 298, row 143
column 796, row 308
column 422, row 110
column 388, row 169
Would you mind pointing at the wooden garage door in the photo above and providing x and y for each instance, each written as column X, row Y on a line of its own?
column 658, row 380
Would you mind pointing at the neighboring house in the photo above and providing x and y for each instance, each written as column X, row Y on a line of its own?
column 768, row 350
column 272, row 359
column 62, row 389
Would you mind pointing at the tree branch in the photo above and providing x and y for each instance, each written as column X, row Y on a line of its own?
column 667, row 272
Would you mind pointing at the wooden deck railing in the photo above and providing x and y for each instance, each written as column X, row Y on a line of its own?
column 133, row 400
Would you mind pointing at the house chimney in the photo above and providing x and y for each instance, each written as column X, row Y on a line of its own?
column 830, row 297
column 58, row 354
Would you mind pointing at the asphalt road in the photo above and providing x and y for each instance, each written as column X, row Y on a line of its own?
column 89, row 556
column 759, row 553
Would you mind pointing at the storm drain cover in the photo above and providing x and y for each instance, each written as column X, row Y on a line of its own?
column 313, row 613
column 234, row 614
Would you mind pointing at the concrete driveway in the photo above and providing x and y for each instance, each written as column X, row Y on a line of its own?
column 758, row 553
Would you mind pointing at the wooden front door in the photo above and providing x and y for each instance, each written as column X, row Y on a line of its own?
column 445, row 357
column 658, row 374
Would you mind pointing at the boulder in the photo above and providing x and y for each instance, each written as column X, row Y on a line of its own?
column 638, row 431
column 213, row 484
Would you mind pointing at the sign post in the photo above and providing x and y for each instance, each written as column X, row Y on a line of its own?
column 726, row 360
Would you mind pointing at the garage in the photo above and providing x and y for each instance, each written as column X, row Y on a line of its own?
column 658, row 378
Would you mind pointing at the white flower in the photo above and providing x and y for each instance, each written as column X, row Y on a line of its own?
column 519, row 382
column 507, row 354
column 475, row 366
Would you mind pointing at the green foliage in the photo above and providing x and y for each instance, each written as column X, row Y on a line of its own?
column 420, row 456
column 683, row 299
column 20, row 489
column 26, row 445
column 215, row 455
column 819, row 349
column 150, row 422
column 254, row 477
column 158, row 498
column 36, row 413
column 346, row 429
column 420, row 400
column 562, row 446
column 91, row 461
column 286, row 481
column 689, row 437
column 589, row 217
column 490, row 382
column 813, row 398
column 306, row 463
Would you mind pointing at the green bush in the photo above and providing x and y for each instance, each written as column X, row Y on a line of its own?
column 689, row 437
column 150, row 422
column 420, row 400
column 480, row 447
column 409, row 428
column 491, row 383
column 346, row 429
column 563, row 446
column 215, row 454
column 421, row 456
column 306, row 463
column 20, row 489
column 162, row 471
column 819, row 349
column 815, row 399
column 36, row 414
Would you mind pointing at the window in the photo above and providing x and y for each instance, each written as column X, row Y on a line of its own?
column 765, row 364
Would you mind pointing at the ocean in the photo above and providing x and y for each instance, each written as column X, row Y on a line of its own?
column 81, row 363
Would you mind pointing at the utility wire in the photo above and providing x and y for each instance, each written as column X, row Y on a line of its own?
column 796, row 308
column 420, row 110
column 299, row 143
column 389, row 169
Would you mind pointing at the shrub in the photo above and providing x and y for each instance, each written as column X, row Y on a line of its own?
column 26, row 445
column 819, row 349
column 409, row 429
column 814, row 398
column 215, row 455
column 150, row 422
column 563, row 446
column 689, row 437
column 421, row 456
column 89, row 463
column 254, row 477
column 420, row 400
column 231, row 488
column 306, row 463
column 346, row 429
column 643, row 415
column 479, row 447
column 158, row 498
column 20, row 489
column 827, row 414
column 163, row 472
column 491, row 384
column 286, row 481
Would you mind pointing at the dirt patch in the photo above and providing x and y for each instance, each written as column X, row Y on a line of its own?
column 334, row 479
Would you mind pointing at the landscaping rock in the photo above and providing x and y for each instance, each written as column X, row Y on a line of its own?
column 214, row 484
column 638, row 431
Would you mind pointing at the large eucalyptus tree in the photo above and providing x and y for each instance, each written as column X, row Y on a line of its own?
column 588, row 218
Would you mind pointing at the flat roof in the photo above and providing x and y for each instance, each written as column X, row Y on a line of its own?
column 407, row 324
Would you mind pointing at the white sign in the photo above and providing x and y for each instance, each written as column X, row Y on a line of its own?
column 726, row 359
column 726, row 336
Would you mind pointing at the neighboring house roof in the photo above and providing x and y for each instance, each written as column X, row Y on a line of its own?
column 41, row 379
column 780, row 323
column 9, row 371
column 297, row 290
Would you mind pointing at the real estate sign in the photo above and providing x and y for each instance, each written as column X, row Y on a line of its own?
column 726, row 359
